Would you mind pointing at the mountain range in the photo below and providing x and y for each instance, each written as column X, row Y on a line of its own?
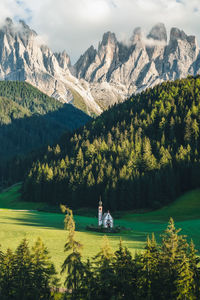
column 103, row 76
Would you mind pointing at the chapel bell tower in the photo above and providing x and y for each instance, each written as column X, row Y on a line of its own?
column 100, row 212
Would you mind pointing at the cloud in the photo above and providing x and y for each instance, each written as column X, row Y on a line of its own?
column 10, row 8
column 74, row 25
column 151, row 42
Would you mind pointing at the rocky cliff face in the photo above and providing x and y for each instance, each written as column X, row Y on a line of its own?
column 24, row 57
column 115, row 70
column 103, row 76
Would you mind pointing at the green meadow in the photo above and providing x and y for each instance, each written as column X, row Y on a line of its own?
column 20, row 220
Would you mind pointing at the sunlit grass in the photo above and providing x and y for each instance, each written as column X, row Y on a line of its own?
column 16, row 225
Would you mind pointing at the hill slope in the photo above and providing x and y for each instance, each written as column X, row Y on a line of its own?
column 140, row 154
column 185, row 208
column 30, row 120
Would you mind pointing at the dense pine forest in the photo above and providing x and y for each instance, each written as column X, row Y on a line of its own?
column 26, row 273
column 166, row 271
column 30, row 120
column 139, row 154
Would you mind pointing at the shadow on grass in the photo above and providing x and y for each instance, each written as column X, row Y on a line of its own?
column 36, row 219
column 135, row 237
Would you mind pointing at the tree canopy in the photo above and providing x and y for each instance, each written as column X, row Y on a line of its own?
column 142, row 153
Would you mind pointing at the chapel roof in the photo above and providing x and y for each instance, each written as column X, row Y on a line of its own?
column 106, row 214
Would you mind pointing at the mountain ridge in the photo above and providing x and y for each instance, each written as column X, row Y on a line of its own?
column 101, row 77
column 145, row 61
column 25, row 57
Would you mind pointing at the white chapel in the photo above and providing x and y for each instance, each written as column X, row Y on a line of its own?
column 105, row 220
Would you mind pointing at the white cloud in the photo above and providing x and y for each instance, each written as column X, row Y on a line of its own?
column 74, row 25
column 151, row 42
column 93, row 12
column 10, row 8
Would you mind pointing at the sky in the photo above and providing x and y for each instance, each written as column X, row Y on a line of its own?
column 75, row 25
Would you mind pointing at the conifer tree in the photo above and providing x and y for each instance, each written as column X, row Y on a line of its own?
column 150, row 272
column 124, row 273
column 7, row 280
column 185, row 282
column 150, row 141
column 23, row 272
column 103, row 272
column 43, row 271
column 73, row 263
column 173, row 250
column 194, row 266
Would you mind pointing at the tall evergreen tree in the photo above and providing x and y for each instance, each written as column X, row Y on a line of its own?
column 125, row 274
column 104, row 272
column 44, row 274
column 73, row 262
column 150, row 270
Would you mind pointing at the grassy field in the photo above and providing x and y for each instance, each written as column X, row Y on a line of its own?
column 19, row 220
column 186, row 207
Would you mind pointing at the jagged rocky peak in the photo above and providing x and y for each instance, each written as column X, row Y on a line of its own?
column 24, row 26
column 177, row 34
column 137, row 35
column 20, row 30
column 21, row 26
column 105, row 75
column 89, row 54
column 109, row 37
column 63, row 59
column 24, row 32
column 95, row 59
column 84, row 62
column 192, row 39
column 24, row 56
column 8, row 22
column 107, row 53
column 158, row 32
column 7, row 26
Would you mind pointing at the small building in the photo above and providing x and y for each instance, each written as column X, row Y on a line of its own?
column 105, row 220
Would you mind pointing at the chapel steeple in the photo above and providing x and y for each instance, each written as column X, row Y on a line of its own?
column 100, row 212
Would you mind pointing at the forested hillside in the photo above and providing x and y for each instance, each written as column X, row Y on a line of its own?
column 139, row 154
column 30, row 120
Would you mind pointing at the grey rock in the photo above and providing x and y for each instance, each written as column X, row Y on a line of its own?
column 63, row 59
column 137, row 35
column 158, row 32
column 84, row 62
column 117, row 70
column 25, row 57
column 102, row 76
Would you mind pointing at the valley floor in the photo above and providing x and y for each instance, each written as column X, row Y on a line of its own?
column 20, row 220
